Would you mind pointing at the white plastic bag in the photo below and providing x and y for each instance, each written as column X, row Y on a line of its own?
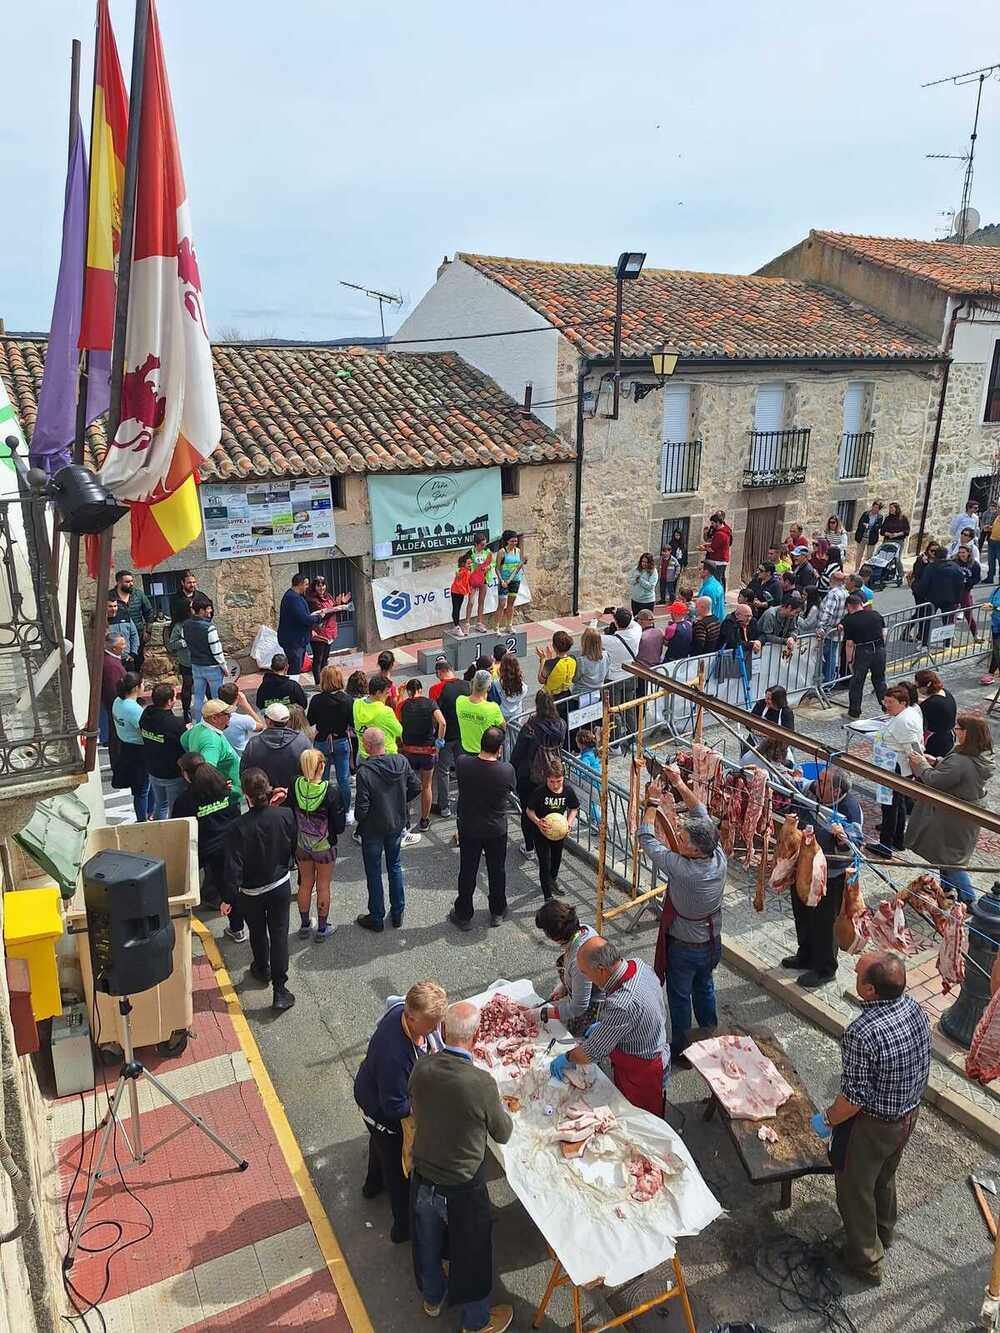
column 265, row 645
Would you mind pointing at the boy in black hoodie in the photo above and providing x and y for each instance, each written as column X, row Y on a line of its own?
column 278, row 687
column 260, row 848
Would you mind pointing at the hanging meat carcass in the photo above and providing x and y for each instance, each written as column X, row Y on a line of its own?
column 953, row 948
column 786, row 854
column 852, row 929
column 983, row 1061
column 810, row 869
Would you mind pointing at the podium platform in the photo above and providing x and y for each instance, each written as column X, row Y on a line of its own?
column 463, row 652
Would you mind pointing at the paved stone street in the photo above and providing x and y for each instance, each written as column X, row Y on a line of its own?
column 938, row 1266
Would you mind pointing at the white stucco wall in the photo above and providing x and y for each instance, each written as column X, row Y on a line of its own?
column 463, row 302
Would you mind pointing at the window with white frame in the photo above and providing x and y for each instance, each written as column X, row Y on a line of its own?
column 680, row 456
column 854, row 460
column 768, row 421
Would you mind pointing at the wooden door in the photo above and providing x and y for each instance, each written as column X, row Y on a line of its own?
column 763, row 530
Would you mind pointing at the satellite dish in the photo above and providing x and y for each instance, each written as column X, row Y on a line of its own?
column 965, row 222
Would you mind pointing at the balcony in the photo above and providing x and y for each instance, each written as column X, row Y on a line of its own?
column 855, row 459
column 777, row 458
column 680, row 467
column 39, row 735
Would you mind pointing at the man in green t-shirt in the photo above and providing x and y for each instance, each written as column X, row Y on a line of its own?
column 206, row 738
column 475, row 714
column 373, row 711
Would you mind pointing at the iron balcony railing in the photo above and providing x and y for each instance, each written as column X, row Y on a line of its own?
column 680, row 467
column 39, row 735
column 777, row 458
column 855, row 459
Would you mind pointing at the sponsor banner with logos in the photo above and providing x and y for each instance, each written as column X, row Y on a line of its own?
column 422, row 598
column 433, row 511
column 264, row 518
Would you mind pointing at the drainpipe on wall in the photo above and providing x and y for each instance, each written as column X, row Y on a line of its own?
column 580, row 380
column 949, row 339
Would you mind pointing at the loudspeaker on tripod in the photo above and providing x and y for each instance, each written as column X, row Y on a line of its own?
column 128, row 922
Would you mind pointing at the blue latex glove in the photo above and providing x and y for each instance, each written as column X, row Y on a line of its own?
column 589, row 1030
column 439, row 742
column 558, row 1067
column 821, row 1125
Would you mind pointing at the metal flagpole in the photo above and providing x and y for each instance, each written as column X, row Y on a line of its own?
column 82, row 381
column 99, row 626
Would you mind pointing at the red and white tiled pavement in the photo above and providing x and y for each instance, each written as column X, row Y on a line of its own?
column 229, row 1249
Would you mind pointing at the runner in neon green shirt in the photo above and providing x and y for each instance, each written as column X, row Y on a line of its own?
column 373, row 711
column 475, row 714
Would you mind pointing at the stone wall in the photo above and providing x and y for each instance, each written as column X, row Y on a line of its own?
column 623, row 509
column 967, row 448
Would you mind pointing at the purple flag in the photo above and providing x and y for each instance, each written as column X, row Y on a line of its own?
column 55, row 427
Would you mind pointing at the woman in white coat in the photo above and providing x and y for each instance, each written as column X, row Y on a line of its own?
column 902, row 736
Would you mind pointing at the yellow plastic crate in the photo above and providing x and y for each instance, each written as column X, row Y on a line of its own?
column 31, row 925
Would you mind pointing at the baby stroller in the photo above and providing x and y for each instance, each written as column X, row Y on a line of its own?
column 883, row 567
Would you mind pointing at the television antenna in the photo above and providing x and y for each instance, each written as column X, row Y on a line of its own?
column 383, row 299
column 965, row 213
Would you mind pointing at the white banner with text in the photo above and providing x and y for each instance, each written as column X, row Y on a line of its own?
column 422, row 598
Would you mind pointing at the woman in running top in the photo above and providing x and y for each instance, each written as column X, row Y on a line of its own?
column 330, row 712
column 483, row 577
column 423, row 735
column 319, row 817
column 509, row 570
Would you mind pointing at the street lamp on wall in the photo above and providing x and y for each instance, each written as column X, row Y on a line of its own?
column 627, row 269
column 664, row 363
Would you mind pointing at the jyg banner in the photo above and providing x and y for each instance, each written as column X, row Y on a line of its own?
column 433, row 511
column 418, row 600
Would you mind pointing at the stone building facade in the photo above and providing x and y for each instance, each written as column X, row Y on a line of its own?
column 625, row 512
column 736, row 337
column 347, row 414
column 950, row 294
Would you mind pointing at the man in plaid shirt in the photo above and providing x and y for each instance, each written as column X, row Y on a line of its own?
column 886, row 1055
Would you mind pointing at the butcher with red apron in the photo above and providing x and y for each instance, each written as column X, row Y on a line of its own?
column 631, row 1030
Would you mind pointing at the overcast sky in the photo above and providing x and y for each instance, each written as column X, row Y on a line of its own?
column 362, row 141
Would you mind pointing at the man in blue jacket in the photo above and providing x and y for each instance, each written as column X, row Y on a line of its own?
column 407, row 1031
column 295, row 622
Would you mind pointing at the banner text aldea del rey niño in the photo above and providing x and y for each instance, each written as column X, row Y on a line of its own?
column 433, row 511
column 420, row 599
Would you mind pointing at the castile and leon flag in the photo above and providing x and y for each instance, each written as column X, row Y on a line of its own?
column 170, row 409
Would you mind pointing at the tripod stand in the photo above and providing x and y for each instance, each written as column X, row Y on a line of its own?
column 132, row 1071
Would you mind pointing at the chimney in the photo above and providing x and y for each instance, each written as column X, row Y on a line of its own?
column 443, row 265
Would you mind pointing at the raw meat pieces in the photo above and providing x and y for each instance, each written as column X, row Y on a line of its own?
column 757, row 805
column 952, row 949
column 706, row 764
column 852, row 929
column 745, row 1081
column 583, row 1122
column 983, row 1061
column 786, row 854
column 501, row 1017
column 647, row 1179
column 889, row 929
column 810, row 870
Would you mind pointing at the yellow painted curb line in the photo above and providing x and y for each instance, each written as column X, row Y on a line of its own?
column 350, row 1297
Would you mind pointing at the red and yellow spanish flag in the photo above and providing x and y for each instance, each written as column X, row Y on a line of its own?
column 108, row 135
column 170, row 410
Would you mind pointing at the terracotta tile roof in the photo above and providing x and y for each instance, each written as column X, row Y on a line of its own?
column 961, row 269
column 297, row 411
column 702, row 314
